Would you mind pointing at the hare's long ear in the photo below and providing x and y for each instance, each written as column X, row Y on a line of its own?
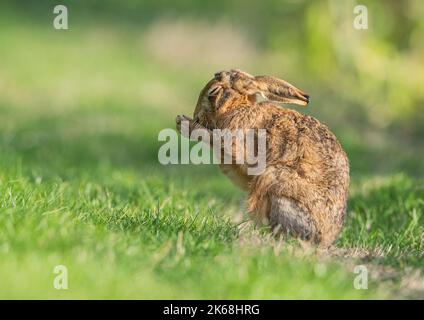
column 279, row 91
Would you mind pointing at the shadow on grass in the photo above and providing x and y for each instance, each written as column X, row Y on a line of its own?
column 386, row 219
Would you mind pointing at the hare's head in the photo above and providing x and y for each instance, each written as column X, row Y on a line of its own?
column 230, row 88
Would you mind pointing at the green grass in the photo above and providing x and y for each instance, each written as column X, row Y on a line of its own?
column 80, row 186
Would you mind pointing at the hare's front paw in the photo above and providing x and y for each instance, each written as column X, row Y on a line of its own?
column 185, row 126
column 179, row 120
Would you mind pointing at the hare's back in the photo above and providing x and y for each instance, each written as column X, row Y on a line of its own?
column 301, row 141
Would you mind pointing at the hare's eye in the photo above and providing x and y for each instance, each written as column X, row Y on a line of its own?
column 213, row 92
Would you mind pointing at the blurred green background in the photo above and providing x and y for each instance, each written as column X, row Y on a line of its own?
column 367, row 85
column 80, row 110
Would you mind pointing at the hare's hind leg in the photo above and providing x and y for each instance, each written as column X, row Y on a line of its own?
column 270, row 199
column 286, row 217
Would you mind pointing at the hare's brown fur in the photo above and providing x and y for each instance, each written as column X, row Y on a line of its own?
column 303, row 190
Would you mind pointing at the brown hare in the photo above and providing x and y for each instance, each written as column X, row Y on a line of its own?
column 303, row 190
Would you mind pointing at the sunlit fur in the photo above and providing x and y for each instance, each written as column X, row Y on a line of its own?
column 304, row 188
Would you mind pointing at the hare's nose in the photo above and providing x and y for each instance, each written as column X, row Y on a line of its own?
column 218, row 75
column 222, row 76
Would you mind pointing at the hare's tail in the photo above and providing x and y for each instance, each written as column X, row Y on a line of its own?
column 286, row 200
column 286, row 217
